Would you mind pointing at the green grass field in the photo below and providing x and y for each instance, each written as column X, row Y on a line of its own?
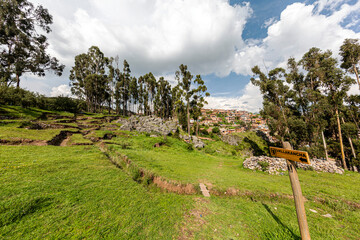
column 75, row 192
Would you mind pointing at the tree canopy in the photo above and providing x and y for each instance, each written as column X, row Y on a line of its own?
column 23, row 43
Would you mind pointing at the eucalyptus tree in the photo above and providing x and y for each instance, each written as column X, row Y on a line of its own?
column 22, row 47
column 275, row 100
column 118, row 76
column 141, row 90
column 184, row 79
column 90, row 77
column 353, row 105
column 125, row 84
column 134, row 92
column 199, row 99
column 335, row 85
column 313, row 100
column 163, row 99
column 350, row 53
column 150, row 82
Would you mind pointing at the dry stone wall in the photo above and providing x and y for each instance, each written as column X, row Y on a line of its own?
column 278, row 165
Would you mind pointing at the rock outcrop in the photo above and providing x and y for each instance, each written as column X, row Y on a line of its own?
column 231, row 139
column 195, row 141
column 278, row 165
column 148, row 124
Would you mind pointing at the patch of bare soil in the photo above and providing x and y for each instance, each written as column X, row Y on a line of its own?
column 16, row 142
column 64, row 143
column 58, row 139
column 194, row 219
column 174, row 187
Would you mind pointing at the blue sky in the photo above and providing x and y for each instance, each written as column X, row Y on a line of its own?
column 219, row 39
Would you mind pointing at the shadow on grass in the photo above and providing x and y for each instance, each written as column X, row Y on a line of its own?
column 17, row 212
column 285, row 229
column 257, row 151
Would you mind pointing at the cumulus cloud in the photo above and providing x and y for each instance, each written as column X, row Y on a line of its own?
column 159, row 35
column 155, row 35
column 251, row 100
column 62, row 90
column 300, row 27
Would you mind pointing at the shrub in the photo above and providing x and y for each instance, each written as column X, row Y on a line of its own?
column 264, row 165
column 189, row 147
column 209, row 150
column 204, row 132
column 216, row 130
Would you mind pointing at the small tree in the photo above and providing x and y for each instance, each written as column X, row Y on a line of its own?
column 23, row 49
column 90, row 78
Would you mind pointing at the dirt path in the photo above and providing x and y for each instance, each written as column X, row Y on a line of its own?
column 64, row 143
column 194, row 219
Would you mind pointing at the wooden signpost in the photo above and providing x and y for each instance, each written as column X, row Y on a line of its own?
column 302, row 157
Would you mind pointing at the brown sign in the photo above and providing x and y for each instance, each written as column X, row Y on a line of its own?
column 293, row 155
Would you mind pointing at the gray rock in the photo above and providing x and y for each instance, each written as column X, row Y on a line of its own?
column 148, row 124
column 278, row 165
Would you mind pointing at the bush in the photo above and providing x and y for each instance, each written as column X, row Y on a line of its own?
column 264, row 165
column 19, row 97
column 209, row 150
column 204, row 132
column 189, row 147
column 215, row 130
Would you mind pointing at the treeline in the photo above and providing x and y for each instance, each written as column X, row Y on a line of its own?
column 15, row 96
column 102, row 82
column 308, row 105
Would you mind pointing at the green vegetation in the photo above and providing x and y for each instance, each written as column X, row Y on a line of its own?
column 222, row 170
column 78, row 139
column 11, row 133
column 75, row 192
column 78, row 192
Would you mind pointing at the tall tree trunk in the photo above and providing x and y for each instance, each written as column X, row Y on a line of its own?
column 197, row 128
column 325, row 148
column 341, row 141
column 17, row 81
column 357, row 75
column 350, row 141
column 188, row 116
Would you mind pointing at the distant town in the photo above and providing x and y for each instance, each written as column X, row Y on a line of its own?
column 232, row 121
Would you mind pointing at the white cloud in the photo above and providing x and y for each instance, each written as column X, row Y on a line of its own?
column 300, row 27
column 155, row 35
column 159, row 35
column 269, row 22
column 62, row 90
column 251, row 100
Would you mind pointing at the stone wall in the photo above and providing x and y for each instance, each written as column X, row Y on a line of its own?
column 278, row 165
column 148, row 124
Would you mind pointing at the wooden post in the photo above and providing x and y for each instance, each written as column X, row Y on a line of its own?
column 298, row 198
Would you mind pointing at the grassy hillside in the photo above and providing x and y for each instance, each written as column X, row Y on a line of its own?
column 75, row 192
column 62, row 192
